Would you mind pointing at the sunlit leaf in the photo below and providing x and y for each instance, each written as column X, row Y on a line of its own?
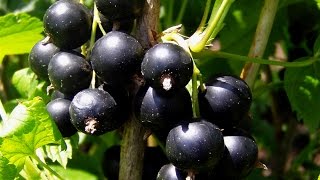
column 28, row 85
column 62, row 154
column 18, row 34
column 27, row 128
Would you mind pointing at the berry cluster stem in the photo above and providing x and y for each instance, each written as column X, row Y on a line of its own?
column 195, row 103
column 96, row 22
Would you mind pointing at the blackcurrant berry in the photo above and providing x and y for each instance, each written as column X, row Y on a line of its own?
column 69, row 72
column 170, row 172
column 120, row 9
column 68, row 24
column 116, row 57
column 167, row 66
column 59, row 111
column 240, row 156
column 226, row 101
column 196, row 146
column 161, row 112
column 95, row 112
column 40, row 57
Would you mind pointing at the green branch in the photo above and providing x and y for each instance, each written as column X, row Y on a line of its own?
column 236, row 57
column 260, row 40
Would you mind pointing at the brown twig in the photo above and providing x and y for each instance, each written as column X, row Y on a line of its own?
column 133, row 144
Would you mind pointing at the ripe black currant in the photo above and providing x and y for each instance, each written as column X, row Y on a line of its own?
column 59, row 111
column 68, row 24
column 120, row 9
column 240, row 156
column 95, row 112
column 69, row 72
column 161, row 112
column 170, row 172
column 226, row 101
column 167, row 66
column 195, row 146
column 39, row 58
column 116, row 57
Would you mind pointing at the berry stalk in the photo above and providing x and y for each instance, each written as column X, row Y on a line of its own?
column 249, row 60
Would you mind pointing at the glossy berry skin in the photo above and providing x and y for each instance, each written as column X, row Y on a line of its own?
column 120, row 9
column 161, row 112
column 69, row 72
column 115, row 57
column 95, row 112
column 226, row 101
column 58, row 110
column 170, row 172
column 39, row 58
column 167, row 66
column 68, row 24
column 196, row 146
column 240, row 156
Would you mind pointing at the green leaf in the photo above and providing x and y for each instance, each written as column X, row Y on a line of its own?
column 27, row 84
column 30, row 170
column 303, row 89
column 18, row 34
column 62, row 154
column 7, row 171
column 27, row 128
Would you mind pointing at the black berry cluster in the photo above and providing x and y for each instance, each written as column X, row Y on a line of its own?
column 115, row 58
column 209, row 146
column 212, row 147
